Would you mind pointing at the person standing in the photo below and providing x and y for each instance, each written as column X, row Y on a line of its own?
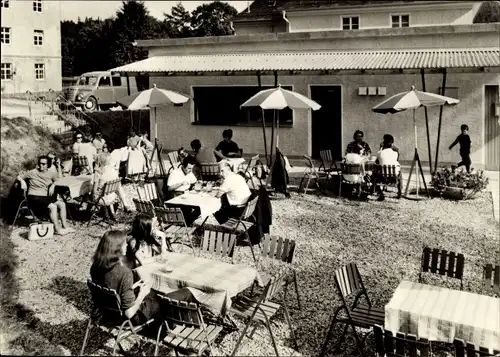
column 465, row 144
column 98, row 142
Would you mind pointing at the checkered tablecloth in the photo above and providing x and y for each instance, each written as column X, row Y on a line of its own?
column 441, row 314
column 212, row 282
column 207, row 202
column 76, row 186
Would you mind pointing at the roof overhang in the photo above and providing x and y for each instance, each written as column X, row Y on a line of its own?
column 296, row 63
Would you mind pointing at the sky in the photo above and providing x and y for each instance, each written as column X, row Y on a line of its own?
column 72, row 9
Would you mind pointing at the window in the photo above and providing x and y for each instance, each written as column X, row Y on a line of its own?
column 37, row 6
column 117, row 81
column 38, row 37
column 209, row 112
column 400, row 20
column 6, row 35
column 39, row 71
column 7, row 71
column 5, row 3
column 104, row 82
column 350, row 23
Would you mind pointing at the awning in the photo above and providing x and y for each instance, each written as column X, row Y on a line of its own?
column 318, row 61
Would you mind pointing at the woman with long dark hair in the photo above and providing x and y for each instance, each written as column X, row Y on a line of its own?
column 147, row 240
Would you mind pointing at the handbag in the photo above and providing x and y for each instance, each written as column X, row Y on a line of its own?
column 41, row 230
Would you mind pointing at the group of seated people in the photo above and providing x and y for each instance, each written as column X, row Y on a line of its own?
column 358, row 152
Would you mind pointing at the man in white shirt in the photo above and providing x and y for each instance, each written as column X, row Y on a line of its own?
column 234, row 194
column 387, row 156
column 181, row 178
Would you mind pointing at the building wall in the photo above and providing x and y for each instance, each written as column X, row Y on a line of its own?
column 175, row 126
column 22, row 52
column 247, row 28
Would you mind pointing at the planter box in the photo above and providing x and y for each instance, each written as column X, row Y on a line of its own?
column 456, row 193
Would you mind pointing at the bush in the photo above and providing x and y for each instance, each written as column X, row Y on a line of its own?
column 468, row 183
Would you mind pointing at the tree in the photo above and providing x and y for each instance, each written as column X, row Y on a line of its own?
column 212, row 19
column 488, row 12
column 180, row 21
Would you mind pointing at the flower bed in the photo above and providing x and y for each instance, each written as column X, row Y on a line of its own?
column 459, row 185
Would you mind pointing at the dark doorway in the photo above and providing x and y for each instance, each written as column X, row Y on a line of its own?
column 327, row 121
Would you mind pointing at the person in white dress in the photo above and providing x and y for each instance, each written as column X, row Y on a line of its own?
column 387, row 156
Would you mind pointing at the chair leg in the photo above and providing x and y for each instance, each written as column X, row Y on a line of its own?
column 118, row 337
column 296, row 288
column 158, row 339
column 85, row 338
column 268, row 325
column 288, row 320
column 329, row 334
column 17, row 214
column 358, row 342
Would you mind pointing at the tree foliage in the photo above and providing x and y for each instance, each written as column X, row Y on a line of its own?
column 489, row 11
column 97, row 45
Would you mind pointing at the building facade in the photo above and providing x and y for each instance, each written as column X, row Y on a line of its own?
column 348, row 72
column 31, row 46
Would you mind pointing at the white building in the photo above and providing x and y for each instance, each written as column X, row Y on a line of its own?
column 31, row 46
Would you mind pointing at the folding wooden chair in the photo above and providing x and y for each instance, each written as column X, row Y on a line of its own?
column 248, row 170
column 491, row 279
column 108, row 316
column 281, row 249
column 261, row 310
column 388, row 176
column 349, row 169
column 311, row 173
column 108, row 188
column 210, row 172
column 443, row 263
column 327, row 162
column 173, row 224
column 145, row 207
column 219, row 243
column 24, row 208
column 465, row 349
column 187, row 333
column 349, row 282
column 80, row 166
column 173, row 158
column 148, row 192
column 401, row 345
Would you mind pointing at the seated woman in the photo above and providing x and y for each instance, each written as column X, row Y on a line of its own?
column 227, row 147
column 108, row 270
column 147, row 240
column 358, row 146
column 385, row 157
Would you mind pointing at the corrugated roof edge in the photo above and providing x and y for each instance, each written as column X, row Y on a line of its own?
column 311, row 35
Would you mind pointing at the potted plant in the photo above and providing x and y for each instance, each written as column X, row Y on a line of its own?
column 458, row 184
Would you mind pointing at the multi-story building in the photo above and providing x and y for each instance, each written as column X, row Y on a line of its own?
column 31, row 46
column 347, row 55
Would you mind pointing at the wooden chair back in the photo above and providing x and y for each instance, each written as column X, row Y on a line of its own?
column 491, row 278
column 210, row 172
column 173, row 157
column 309, row 163
column 110, row 187
column 326, row 158
column 180, row 312
column 348, row 281
column 80, row 163
column 279, row 248
column 401, row 345
column 350, row 169
column 250, row 207
column 143, row 206
column 465, row 349
column 105, row 300
column 169, row 216
column 442, row 262
column 388, row 171
column 147, row 191
column 219, row 243
column 252, row 163
column 274, row 285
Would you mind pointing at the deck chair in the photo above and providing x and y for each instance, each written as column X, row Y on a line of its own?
column 349, row 169
column 401, row 345
column 109, row 317
column 261, row 310
column 22, row 208
column 443, row 263
column 173, row 158
column 387, row 175
column 145, row 207
column 148, row 192
column 187, row 333
column 210, row 172
column 281, row 249
column 465, row 349
column 327, row 162
column 108, row 188
column 239, row 227
column 249, row 170
column 349, row 282
column 219, row 243
column 80, row 166
column 491, row 279
column 310, row 173
column 173, row 224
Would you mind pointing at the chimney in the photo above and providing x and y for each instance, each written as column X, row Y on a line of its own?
column 248, row 6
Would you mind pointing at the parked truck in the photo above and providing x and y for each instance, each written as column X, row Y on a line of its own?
column 99, row 90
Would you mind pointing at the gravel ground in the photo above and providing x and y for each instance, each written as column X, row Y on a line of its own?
column 385, row 239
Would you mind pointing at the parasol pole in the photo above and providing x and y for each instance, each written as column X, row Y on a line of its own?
column 416, row 167
column 264, row 133
column 156, row 125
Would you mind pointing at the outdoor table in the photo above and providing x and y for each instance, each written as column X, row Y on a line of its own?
column 73, row 186
column 213, row 283
column 441, row 314
column 206, row 201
